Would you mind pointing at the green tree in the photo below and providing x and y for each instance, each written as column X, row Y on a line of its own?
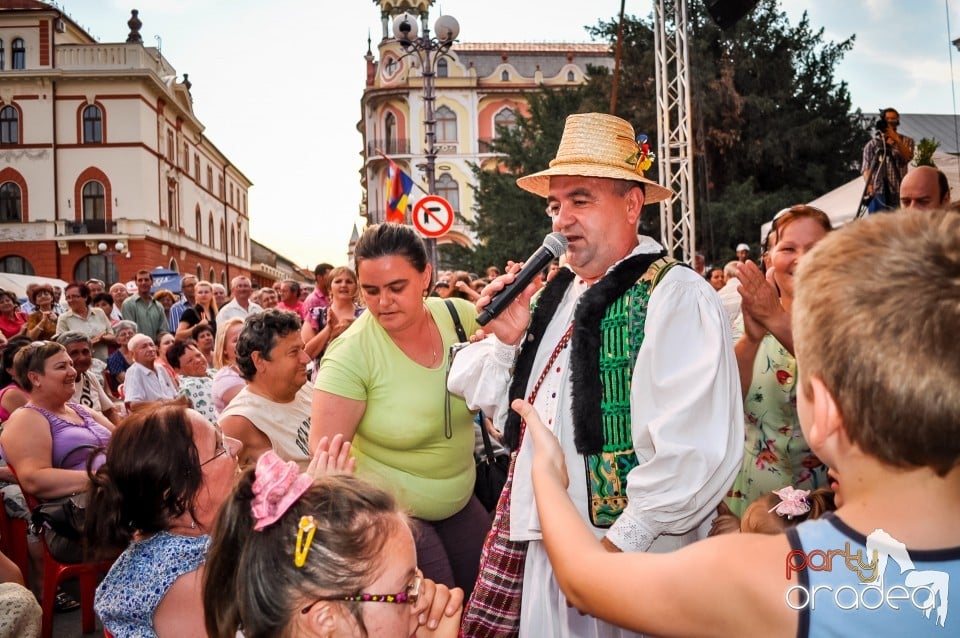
column 772, row 125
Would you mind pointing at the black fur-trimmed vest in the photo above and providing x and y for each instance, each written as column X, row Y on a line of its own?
column 608, row 332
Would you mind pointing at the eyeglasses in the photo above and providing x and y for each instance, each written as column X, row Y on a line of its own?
column 408, row 596
column 219, row 451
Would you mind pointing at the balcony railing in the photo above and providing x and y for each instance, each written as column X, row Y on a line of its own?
column 90, row 227
column 390, row 147
column 84, row 57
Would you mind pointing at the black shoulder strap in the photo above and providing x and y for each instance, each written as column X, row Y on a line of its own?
column 456, row 320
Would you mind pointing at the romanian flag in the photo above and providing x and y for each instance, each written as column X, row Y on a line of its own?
column 399, row 185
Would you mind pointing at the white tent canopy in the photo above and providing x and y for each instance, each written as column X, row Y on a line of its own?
column 17, row 284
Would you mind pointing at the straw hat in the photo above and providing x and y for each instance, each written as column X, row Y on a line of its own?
column 596, row 145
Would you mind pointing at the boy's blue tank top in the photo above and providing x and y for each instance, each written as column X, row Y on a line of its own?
column 842, row 591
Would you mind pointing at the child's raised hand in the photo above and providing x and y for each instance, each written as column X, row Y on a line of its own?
column 547, row 454
column 332, row 456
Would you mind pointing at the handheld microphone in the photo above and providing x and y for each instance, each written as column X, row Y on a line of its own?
column 554, row 245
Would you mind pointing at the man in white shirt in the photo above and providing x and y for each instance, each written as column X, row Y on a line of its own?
column 729, row 295
column 240, row 305
column 649, row 460
column 145, row 380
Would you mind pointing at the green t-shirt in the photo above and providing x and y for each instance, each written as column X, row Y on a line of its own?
column 400, row 443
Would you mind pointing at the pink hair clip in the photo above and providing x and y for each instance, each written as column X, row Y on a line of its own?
column 276, row 486
column 792, row 503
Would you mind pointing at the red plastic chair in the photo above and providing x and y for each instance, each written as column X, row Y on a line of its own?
column 13, row 542
column 55, row 572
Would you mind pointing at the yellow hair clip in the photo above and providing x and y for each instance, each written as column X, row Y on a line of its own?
column 308, row 525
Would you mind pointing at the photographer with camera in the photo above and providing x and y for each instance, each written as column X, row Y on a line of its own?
column 885, row 160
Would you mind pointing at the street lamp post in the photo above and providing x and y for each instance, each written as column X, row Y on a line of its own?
column 428, row 50
column 111, row 253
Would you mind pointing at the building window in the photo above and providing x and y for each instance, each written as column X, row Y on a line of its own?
column 220, row 186
column 10, row 203
column 171, row 148
column 505, row 118
column 94, row 208
column 92, row 125
column 390, row 133
column 210, row 179
column 233, row 242
column 570, row 76
column 448, row 189
column 16, row 265
column 196, row 168
column 199, row 272
column 2, row 61
column 186, row 157
column 213, row 275
column 210, row 231
column 446, row 125
column 19, row 55
column 172, row 206
column 199, row 224
column 96, row 267
column 173, row 265
column 442, row 69
column 504, row 76
column 9, row 125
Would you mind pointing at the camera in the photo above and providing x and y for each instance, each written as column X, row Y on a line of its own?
column 881, row 124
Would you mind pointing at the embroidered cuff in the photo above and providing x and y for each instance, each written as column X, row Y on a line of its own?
column 631, row 535
column 505, row 354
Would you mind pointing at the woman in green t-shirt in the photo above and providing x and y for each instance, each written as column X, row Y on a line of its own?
column 382, row 385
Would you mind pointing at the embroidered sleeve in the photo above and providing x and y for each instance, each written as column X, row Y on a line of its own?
column 480, row 373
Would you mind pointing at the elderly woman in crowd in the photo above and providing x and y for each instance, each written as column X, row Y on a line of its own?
column 166, row 474
column 268, row 298
column 146, row 379
column 42, row 322
column 121, row 360
column 80, row 317
column 13, row 323
column 382, row 385
column 193, row 379
column 228, row 380
column 165, row 339
column 49, row 440
column 104, row 302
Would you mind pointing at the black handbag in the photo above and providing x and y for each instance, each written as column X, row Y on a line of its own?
column 491, row 468
column 61, row 520
column 491, row 473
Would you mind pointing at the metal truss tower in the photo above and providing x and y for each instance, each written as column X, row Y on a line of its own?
column 674, row 127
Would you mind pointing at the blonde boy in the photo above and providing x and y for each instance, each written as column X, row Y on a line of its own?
column 875, row 321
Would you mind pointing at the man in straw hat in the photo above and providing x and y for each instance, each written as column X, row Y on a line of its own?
column 648, row 460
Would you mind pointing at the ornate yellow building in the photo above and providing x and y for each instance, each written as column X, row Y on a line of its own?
column 478, row 86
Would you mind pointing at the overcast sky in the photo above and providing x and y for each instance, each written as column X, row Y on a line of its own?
column 278, row 83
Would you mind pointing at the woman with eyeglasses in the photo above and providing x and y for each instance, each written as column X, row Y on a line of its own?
column 167, row 472
column 775, row 452
column 294, row 556
column 80, row 317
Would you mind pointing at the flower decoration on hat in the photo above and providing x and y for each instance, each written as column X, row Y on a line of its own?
column 641, row 159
